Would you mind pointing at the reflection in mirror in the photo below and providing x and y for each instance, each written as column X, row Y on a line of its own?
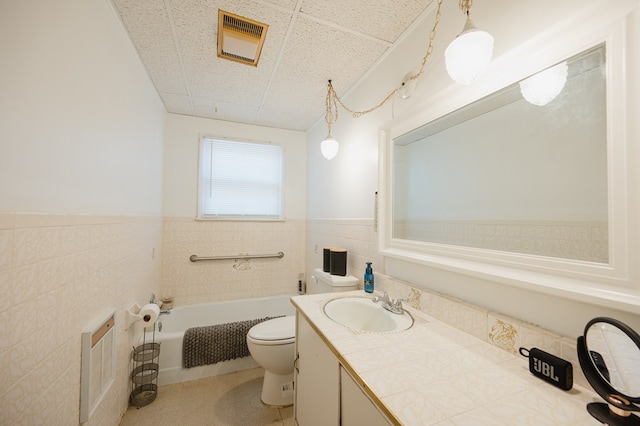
column 507, row 174
column 616, row 357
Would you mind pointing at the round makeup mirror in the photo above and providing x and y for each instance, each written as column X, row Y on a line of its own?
column 609, row 355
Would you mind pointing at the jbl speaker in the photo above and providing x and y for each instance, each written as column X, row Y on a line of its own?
column 550, row 368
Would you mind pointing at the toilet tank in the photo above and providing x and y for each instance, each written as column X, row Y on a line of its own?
column 323, row 282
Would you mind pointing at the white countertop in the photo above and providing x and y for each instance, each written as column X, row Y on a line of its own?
column 434, row 374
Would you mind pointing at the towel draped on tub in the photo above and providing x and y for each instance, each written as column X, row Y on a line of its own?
column 216, row 343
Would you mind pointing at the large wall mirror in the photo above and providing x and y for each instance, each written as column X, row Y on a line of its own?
column 522, row 170
column 527, row 180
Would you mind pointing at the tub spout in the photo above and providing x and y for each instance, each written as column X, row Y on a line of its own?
column 165, row 312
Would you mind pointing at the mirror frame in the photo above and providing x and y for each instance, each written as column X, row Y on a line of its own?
column 633, row 336
column 619, row 407
column 614, row 284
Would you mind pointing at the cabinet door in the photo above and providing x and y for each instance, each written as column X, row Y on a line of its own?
column 356, row 407
column 317, row 379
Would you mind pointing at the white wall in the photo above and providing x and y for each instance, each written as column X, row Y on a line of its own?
column 80, row 201
column 181, row 141
column 342, row 188
column 81, row 124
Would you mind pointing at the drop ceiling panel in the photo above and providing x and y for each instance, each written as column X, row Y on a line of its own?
column 382, row 19
column 149, row 27
column 225, row 111
column 316, row 53
column 178, row 104
column 303, row 119
column 211, row 77
column 286, row 4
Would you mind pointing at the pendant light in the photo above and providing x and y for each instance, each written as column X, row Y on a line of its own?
column 469, row 54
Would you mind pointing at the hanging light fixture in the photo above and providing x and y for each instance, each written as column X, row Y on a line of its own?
column 469, row 54
column 329, row 146
column 543, row 87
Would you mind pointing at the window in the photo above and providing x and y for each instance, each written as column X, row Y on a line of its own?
column 240, row 180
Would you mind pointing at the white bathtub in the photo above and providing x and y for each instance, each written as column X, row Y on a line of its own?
column 181, row 318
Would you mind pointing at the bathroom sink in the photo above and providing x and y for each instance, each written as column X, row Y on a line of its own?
column 362, row 314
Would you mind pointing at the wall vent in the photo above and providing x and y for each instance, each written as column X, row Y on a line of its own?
column 240, row 39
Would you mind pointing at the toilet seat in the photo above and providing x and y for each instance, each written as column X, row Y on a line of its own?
column 277, row 331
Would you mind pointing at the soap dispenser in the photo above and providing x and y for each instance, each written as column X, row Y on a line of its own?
column 368, row 278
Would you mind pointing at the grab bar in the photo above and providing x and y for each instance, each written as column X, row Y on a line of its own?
column 279, row 255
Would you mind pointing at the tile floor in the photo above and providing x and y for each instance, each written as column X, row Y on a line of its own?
column 226, row 400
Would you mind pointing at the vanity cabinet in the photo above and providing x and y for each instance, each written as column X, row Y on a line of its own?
column 356, row 409
column 317, row 379
column 325, row 393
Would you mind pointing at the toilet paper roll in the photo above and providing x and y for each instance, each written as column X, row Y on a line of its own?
column 149, row 313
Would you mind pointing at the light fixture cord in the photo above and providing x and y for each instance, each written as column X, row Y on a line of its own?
column 331, row 115
column 333, row 99
column 465, row 5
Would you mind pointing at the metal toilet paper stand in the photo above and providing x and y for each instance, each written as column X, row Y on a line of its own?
column 145, row 373
column 144, row 376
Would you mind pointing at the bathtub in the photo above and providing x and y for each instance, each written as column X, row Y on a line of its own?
column 170, row 331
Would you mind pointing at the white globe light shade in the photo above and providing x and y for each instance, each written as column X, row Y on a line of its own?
column 468, row 55
column 329, row 147
column 543, row 87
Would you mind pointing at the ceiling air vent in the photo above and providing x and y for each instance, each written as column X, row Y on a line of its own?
column 240, row 39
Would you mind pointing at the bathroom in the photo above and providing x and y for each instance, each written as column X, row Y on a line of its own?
column 111, row 184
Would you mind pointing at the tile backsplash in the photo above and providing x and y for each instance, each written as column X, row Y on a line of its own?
column 59, row 273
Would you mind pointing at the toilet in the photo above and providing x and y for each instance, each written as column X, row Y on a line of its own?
column 272, row 343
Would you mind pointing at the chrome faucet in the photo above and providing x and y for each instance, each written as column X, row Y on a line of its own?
column 391, row 305
column 165, row 312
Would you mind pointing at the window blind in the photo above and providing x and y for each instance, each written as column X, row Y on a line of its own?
column 240, row 180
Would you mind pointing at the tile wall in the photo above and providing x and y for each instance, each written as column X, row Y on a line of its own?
column 59, row 274
column 219, row 280
column 360, row 239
